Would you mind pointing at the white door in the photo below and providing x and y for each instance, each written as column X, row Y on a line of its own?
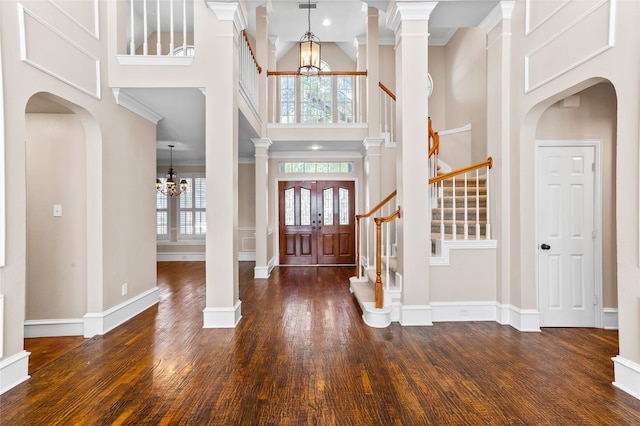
column 566, row 236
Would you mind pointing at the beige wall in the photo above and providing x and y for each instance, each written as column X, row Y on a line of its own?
column 331, row 54
column 559, row 70
column 466, row 98
column 593, row 119
column 119, row 164
column 246, row 208
column 56, row 285
column 470, row 276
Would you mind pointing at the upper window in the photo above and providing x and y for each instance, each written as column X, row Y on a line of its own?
column 179, row 51
column 316, row 167
column 316, row 99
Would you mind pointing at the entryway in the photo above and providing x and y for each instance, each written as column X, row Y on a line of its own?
column 567, row 204
column 316, row 222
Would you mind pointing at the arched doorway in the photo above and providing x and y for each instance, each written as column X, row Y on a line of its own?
column 576, row 229
column 58, row 187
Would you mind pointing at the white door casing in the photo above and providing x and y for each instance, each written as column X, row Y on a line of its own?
column 568, row 294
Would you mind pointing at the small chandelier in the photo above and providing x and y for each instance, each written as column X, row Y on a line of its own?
column 169, row 187
column 309, row 50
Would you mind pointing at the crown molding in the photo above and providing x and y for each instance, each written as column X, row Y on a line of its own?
column 409, row 11
column 229, row 11
column 127, row 101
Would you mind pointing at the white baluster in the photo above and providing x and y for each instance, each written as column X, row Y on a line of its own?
column 158, row 30
column 477, row 205
column 132, row 44
column 145, row 44
column 171, row 39
column 441, row 195
column 466, row 210
column 487, row 229
column 453, row 226
column 184, row 27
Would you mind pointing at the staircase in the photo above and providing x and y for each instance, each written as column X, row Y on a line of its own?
column 449, row 211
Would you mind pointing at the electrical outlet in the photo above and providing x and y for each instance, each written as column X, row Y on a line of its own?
column 125, row 288
column 464, row 312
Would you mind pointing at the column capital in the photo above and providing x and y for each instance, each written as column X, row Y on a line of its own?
column 229, row 11
column 261, row 142
column 409, row 11
column 372, row 143
column 501, row 12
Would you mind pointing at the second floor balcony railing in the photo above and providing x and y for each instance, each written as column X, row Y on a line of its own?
column 329, row 98
column 160, row 27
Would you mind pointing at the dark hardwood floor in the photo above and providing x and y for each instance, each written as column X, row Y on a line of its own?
column 301, row 355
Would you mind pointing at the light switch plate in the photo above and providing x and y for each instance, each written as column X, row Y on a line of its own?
column 57, row 210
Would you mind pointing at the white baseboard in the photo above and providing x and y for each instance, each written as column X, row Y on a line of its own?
column 610, row 318
column 103, row 322
column 222, row 317
column 520, row 319
column 264, row 271
column 246, row 256
column 463, row 311
column 416, row 315
column 54, row 327
column 626, row 376
column 196, row 256
column 14, row 370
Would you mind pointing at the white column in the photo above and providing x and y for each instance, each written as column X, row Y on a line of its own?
column 222, row 294
column 373, row 73
column 262, row 55
column 498, row 129
column 261, row 269
column 373, row 193
column 410, row 23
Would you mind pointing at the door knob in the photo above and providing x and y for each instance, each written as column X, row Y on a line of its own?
column 545, row 246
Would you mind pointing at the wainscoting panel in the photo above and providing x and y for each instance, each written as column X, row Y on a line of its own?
column 590, row 22
column 42, row 45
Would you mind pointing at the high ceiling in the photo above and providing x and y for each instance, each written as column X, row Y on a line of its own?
column 183, row 109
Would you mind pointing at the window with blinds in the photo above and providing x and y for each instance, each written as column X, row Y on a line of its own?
column 192, row 214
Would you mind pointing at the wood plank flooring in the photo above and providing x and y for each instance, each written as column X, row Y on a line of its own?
column 302, row 356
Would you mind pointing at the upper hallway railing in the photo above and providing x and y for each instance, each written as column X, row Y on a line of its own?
column 160, row 27
column 249, row 72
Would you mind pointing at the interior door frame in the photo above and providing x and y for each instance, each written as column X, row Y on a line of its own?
column 299, row 177
column 597, row 215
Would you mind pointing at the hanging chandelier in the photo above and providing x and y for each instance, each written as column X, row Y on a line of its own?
column 169, row 187
column 309, row 50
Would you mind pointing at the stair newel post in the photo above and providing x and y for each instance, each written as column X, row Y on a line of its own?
column 477, row 205
column 466, row 208
column 378, row 285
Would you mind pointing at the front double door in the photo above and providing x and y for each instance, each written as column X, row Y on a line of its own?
column 316, row 222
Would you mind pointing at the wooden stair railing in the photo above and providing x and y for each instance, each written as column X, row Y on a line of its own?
column 476, row 200
column 378, row 285
column 359, row 230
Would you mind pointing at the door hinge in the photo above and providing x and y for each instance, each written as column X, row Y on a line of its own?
column 594, row 234
column 595, row 300
column 593, row 167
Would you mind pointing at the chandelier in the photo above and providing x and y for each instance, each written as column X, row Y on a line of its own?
column 309, row 50
column 169, row 187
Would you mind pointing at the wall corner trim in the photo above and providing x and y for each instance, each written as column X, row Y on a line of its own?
column 14, row 370
column 103, row 322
